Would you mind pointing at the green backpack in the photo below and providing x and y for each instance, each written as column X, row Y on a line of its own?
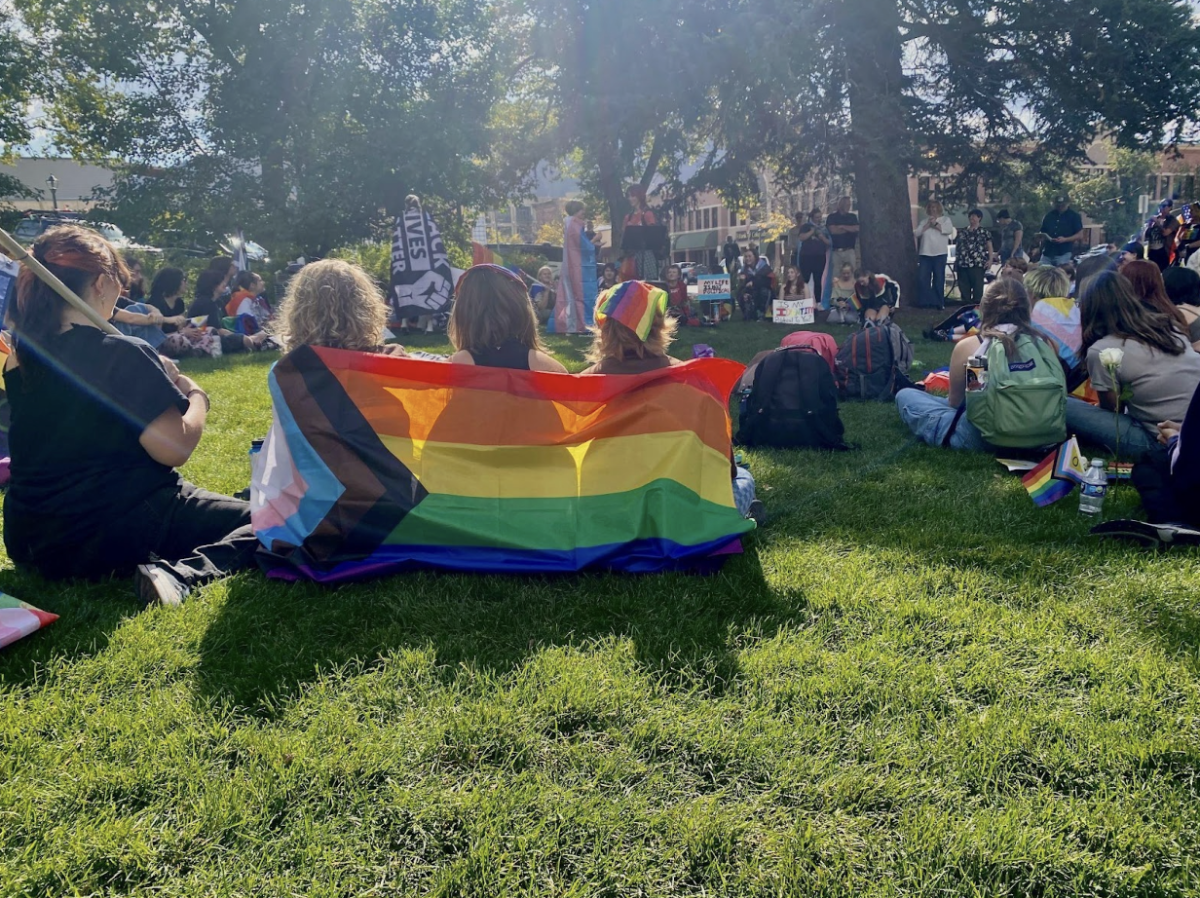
column 1023, row 403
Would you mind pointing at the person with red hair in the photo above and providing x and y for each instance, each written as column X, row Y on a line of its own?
column 100, row 422
column 642, row 264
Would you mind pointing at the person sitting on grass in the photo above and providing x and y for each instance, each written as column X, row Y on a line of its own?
column 1015, row 267
column 841, row 297
column 209, row 285
column 1183, row 289
column 1169, row 481
column 493, row 324
column 334, row 304
column 1056, row 316
column 99, row 425
column 677, row 295
column 1157, row 366
column 633, row 331
column 1004, row 316
column 1147, row 283
column 877, row 296
column 632, row 334
column 247, row 299
column 544, row 296
column 181, row 338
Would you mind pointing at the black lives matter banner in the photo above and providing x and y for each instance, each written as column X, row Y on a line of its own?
column 422, row 282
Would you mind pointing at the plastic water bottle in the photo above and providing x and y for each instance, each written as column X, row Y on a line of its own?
column 1093, row 489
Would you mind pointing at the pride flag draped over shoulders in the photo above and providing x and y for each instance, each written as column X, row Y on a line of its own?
column 375, row 465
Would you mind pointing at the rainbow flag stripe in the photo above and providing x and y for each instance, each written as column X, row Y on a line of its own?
column 17, row 619
column 1043, row 487
column 375, row 464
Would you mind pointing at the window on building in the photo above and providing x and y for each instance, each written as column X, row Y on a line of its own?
column 1164, row 186
column 691, row 226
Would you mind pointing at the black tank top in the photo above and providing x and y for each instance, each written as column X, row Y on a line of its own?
column 509, row 354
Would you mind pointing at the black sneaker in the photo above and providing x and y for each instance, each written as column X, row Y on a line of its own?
column 158, row 587
column 757, row 512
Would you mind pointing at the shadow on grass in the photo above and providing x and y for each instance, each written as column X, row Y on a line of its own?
column 88, row 613
column 270, row 639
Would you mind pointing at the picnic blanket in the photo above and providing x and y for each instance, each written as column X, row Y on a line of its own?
column 375, row 464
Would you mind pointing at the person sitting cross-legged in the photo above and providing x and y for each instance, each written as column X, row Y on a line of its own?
column 1152, row 359
column 100, row 423
column 1004, row 316
column 632, row 334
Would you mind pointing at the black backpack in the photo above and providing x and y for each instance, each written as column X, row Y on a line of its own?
column 873, row 363
column 792, row 404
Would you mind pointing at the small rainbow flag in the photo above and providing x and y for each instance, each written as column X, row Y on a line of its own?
column 1056, row 475
column 482, row 255
column 1043, row 487
column 18, row 619
column 376, row 465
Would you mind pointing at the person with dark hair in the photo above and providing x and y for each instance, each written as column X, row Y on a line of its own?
column 1004, row 316
column 208, row 288
column 843, row 233
column 182, row 338
column 812, row 251
column 136, row 290
column 608, row 277
column 1063, row 228
column 99, row 424
column 973, row 254
column 754, row 287
column 1182, row 286
column 1011, row 235
column 1090, row 266
column 1131, row 252
column 1149, row 356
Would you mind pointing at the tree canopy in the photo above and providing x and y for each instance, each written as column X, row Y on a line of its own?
column 311, row 121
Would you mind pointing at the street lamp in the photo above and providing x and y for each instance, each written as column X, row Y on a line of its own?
column 53, row 182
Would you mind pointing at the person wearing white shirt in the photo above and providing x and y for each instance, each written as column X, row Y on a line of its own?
column 933, row 242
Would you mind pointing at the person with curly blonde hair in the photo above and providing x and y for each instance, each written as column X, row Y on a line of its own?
column 335, row 304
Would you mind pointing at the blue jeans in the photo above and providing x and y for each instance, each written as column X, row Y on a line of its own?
column 1098, row 426
column 743, row 491
column 152, row 334
column 929, row 418
column 931, row 282
column 1054, row 254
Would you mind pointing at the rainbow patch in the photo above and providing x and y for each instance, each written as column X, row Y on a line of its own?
column 634, row 304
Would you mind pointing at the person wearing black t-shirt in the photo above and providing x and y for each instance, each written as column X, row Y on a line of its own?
column 99, row 424
column 209, row 285
column 843, row 232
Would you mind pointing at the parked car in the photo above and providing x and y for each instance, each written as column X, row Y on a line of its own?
column 32, row 227
column 691, row 270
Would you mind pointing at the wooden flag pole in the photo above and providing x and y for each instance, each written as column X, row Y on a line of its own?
column 19, row 254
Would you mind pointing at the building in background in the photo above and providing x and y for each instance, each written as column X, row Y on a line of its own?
column 76, row 184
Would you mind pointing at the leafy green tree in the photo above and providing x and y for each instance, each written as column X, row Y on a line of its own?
column 623, row 84
column 307, row 124
column 881, row 89
column 1112, row 196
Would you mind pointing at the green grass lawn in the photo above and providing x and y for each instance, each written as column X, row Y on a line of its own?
column 913, row 682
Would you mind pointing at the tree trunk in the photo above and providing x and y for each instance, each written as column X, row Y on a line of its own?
column 608, row 176
column 879, row 141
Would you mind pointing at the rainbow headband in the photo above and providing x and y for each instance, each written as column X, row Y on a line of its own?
column 634, row 304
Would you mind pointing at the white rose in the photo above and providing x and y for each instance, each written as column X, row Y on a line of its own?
column 1111, row 358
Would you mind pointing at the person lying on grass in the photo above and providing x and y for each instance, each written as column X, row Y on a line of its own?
column 1004, row 315
column 632, row 334
column 493, row 323
column 99, row 425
